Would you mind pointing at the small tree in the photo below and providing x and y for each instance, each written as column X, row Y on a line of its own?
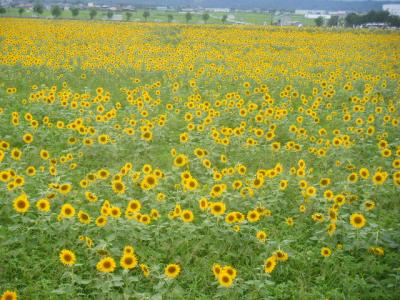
column 333, row 21
column 110, row 14
column 170, row 18
column 188, row 17
column 205, row 17
column 21, row 10
column 224, row 18
column 2, row 10
column 74, row 11
column 146, row 14
column 128, row 15
column 92, row 13
column 56, row 11
column 38, row 8
column 319, row 21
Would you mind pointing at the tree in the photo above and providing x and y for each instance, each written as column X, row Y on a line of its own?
column 319, row 21
column 38, row 8
column 188, row 17
column 333, row 21
column 74, row 11
column 92, row 13
column 56, row 11
column 352, row 19
column 205, row 17
column 224, row 18
column 110, row 14
column 128, row 15
column 2, row 10
column 21, row 11
column 170, row 18
column 146, row 14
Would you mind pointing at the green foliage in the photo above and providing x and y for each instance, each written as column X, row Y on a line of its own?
column 146, row 14
column 188, row 17
column 205, row 17
column 74, row 11
column 92, row 13
column 319, row 21
column 333, row 21
column 56, row 11
column 38, row 8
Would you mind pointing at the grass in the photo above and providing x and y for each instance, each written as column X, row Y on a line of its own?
column 160, row 16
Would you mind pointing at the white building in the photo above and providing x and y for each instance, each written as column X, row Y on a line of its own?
column 316, row 16
column 222, row 10
column 393, row 9
column 309, row 12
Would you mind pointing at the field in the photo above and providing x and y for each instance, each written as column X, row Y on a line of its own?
column 167, row 161
column 253, row 18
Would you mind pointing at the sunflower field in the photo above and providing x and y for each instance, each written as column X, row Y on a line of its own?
column 166, row 161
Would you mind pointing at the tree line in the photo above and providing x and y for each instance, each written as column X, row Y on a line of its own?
column 56, row 12
column 383, row 16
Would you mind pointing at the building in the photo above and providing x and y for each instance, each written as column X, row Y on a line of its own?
column 316, row 16
column 220, row 10
column 309, row 12
column 393, row 9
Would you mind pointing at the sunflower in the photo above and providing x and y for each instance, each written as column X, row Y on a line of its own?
column 217, row 208
column 128, row 261
column 28, row 138
column 369, row 205
column 253, row 216
column 65, row 188
column 364, row 173
column 230, row 271
column 101, row 221
column 84, row 217
column 115, row 212
column 331, row 229
column 67, row 257
column 16, row 154
column 118, row 187
column 21, row 203
column 191, row 184
column 43, row 205
column 311, row 191
column 172, row 270
column 270, row 264
column 145, row 269
column 106, row 265
column 203, row 204
column 224, row 279
column 187, row 216
column 149, row 182
column 67, row 211
column 357, row 220
column 180, row 160
column 281, row 255
column 129, row 250
column 134, row 205
column 326, row 252
column 379, row 178
column 9, row 295
column 216, row 268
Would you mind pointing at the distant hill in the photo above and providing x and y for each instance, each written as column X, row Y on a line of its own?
column 360, row 6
